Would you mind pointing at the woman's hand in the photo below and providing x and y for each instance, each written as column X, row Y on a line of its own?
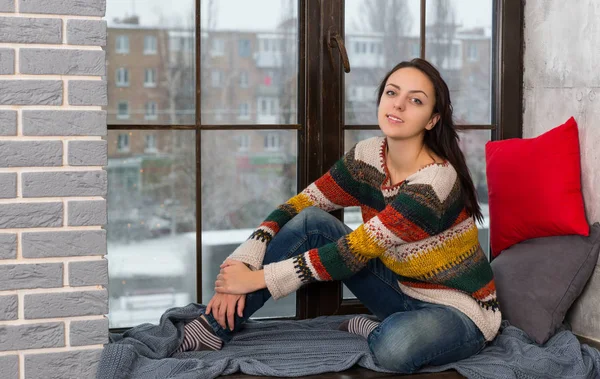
column 236, row 278
column 224, row 306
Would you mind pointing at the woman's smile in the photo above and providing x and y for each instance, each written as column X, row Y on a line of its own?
column 394, row 119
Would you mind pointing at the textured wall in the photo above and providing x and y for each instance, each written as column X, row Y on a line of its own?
column 562, row 79
column 53, row 274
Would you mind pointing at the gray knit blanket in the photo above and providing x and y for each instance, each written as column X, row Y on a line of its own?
column 308, row 347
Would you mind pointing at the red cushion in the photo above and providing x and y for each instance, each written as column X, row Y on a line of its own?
column 534, row 187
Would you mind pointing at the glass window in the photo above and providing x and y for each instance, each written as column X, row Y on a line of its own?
column 150, row 145
column 272, row 142
column 122, row 77
column 151, row 232
column 415, row 50
column 218, row 47
column 122, row 44
column 259, row 44
column 244, row 142
column 393, row 28
column 452, row 25
column 150, row 77
column 268, row 179
column 216, row 78
column 123, row 142
column 244, row 112
column 244, row 82
column 150, row 45
column 123, row 110
column 244, row 48
column 473, row 52
column 151, row 111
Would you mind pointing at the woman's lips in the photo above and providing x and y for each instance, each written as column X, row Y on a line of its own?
column 394, row 119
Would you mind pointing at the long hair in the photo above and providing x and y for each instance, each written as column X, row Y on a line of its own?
column 443, row 138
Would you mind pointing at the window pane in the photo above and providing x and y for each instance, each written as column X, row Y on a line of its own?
column 151, row 228
column 472, row 143
column 379, row 35
column 459, row 44
column 239, row 190
column 158, row 36
column 257, row 58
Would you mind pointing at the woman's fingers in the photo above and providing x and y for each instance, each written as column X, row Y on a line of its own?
column 231, row 312
column 221, row 315
column 240, row 305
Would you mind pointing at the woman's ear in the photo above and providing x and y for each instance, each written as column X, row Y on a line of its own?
column 434, row 119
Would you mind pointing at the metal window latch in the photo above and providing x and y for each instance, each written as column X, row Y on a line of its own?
column 334, row 39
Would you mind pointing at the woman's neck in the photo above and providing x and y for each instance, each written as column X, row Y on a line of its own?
column 407, row 156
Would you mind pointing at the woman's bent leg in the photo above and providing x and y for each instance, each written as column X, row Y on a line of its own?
column 311, row 228
column 431, row 335
column 376, row 286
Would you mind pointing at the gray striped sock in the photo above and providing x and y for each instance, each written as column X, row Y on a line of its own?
column 362, row 326
column 199, row 335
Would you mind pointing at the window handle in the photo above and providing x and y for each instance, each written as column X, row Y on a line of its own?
column 335, row 40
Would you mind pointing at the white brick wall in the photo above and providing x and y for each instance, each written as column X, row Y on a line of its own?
column 53, row 274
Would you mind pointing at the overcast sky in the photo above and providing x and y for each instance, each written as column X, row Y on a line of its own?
column 264, row 15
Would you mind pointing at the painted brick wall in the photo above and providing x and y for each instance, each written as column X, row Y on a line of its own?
column 53, row 274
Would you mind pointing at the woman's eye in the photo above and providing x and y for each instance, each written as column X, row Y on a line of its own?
column 417, row 101
column 390, row 93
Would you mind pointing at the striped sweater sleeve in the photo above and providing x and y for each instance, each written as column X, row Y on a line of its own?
column 416, row 213
column 325, row 193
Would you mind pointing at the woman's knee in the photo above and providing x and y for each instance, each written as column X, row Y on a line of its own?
column 313, row 219
column 393, row 354
column 433, row 335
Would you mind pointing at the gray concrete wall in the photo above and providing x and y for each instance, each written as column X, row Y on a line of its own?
column 562, row 79
column 53, row 275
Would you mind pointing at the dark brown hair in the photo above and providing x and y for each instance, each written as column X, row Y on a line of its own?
column 443, row 138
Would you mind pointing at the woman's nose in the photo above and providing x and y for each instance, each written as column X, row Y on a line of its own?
column 398, row 103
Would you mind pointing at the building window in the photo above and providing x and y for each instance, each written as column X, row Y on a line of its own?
column 244, row 48
column 244, row 112
column 415, row 50
column 216, row 78
column 122, row 77
column 217, row 47
column 123, row 110
column 123, row 143
column 267, row 106
column 150, row 143
column 151, row 111
column 244, row 82
column 150, row 45
column 243, row 142
column 473, row 52
column 272, row 142
column 270, row 44
column 360, row 47
column 455, row 52
column 122, row 45
column 150, row 77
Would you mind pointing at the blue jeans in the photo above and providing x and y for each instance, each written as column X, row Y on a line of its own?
column 412, row 333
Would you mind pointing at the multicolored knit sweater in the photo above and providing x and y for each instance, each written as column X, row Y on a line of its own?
column 419, row 229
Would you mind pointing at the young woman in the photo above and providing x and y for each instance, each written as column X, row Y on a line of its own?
column 415, row 263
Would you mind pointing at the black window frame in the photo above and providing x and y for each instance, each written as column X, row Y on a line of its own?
column 321, row 134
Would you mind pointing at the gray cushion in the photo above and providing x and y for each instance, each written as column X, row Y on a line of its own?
column 537, row 280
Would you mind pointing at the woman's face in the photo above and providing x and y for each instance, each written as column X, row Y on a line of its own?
column 406, row 105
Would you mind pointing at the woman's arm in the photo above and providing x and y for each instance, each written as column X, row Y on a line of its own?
column 330, row 192
column 419, row 211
